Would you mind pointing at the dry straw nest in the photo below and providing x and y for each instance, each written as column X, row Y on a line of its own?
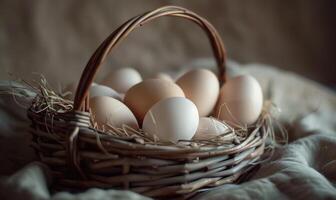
column 81, row 156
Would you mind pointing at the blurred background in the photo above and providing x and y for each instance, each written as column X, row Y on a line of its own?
column 57, row 38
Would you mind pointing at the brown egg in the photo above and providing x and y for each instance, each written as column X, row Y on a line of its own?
column 240, row 102
column 163, row 76
column 201, row 86
column 107, row 110
column 141, row 97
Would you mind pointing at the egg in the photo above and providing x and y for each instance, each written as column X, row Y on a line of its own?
column 69, row 91
column 201, row 86
column 102, row 90
column 141, row 97
column 240, row 102
column 172, row 119
column 107, row 110
column 210, row 127
column 163, row 76
column 122, row 79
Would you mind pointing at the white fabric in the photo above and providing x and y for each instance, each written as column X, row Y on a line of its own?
column 303, row 169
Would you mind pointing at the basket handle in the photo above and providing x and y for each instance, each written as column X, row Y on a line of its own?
column 81, row 102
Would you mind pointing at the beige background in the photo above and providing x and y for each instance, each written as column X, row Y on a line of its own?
column 56, row 38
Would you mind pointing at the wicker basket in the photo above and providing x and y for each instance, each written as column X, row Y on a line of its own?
column 80, row 156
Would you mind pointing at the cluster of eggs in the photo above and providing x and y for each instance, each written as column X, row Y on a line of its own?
column 192, row 107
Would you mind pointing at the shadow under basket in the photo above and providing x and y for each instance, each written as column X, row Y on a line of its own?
column 81, row 157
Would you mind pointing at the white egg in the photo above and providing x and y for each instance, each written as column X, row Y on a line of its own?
column 107, row 110
column 201, row 86
column 69, row 91
column 172, row 119
column 240, row 102
column 122, row 79
column 209, row 127
column 102, row 90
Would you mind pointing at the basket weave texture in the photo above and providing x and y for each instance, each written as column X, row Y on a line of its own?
column 81, row 156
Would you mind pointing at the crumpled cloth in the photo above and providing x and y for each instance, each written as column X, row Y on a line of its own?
column 303, row 169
